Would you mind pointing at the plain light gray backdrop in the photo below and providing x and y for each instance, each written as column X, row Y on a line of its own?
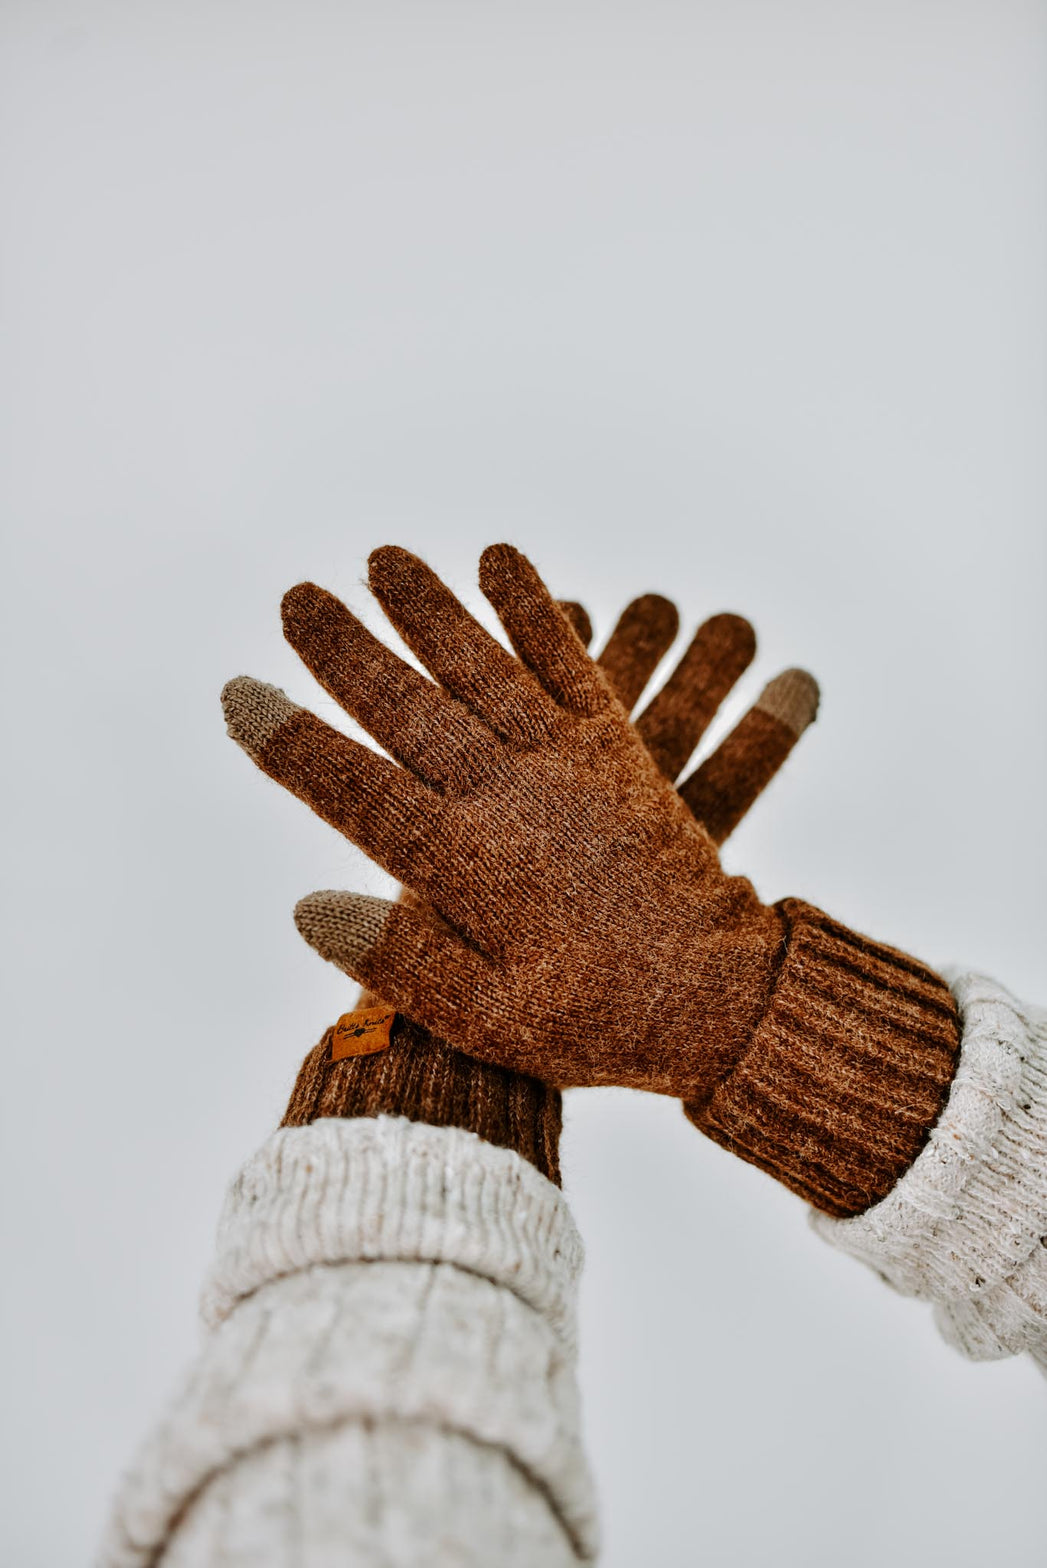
column 739, row 301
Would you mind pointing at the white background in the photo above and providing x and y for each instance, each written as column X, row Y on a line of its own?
column 740, row 301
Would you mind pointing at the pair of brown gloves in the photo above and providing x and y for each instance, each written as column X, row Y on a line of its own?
column 566, row 918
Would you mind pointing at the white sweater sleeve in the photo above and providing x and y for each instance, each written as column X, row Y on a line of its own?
column 966, row 1227
column 388, row 1373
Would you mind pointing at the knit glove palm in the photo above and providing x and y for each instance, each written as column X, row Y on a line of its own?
column 577, row 924
column 424, row 1078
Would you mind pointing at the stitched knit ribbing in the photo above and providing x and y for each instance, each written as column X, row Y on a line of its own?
column 341, row 1191
column 847, row 1071
column 375, row 1276
column 424, row 1079
column 966, row 1227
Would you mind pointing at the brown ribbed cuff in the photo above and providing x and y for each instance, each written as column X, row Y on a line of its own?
column 424, row 1079
column 847, row 1071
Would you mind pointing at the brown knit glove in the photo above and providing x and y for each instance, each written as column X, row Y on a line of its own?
column 579, row 924
column 423, row 1078
column 426, row 1080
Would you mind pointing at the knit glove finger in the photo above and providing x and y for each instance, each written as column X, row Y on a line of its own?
column 580, row 927
column 423, row 1078
column 584, row 929
column 727, row 783
column 849, row 1067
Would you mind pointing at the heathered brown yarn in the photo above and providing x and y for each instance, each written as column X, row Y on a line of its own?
column 722, row 789
column 847, row 1072
column 427, row 1080
column 580, row 926
column 424, row 1079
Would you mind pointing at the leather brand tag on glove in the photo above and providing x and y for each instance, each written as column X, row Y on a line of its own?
column 362, row 1033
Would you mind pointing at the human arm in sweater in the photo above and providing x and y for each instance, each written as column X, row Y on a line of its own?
column 529, row 816
column 965, row 1226
column 388, row 1371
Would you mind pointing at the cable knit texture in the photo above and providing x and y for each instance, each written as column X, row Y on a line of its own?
column 966, row 1227
column 389, row 1376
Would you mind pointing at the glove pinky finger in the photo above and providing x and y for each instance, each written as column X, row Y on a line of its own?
column 417, row 964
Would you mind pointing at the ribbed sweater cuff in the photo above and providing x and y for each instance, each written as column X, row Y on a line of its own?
column 966, row 1227
column 391, row 1189
column 846, row 1072
column 384, row 1278
column 426, row 1080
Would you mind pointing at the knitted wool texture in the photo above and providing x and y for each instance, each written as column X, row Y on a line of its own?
column 388, row 1373
column 726, row 784
column 579, row 926
column 424, row 1078
column 966, row 1226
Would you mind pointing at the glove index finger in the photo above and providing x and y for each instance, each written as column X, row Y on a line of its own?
column 386, row 811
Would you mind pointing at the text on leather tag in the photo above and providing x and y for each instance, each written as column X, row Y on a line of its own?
column 362, row 1033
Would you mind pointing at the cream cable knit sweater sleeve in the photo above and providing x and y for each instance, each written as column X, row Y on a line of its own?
column 966, row 1227
column 388, row 1376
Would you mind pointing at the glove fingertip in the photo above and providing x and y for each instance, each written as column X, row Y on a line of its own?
column 792, row 698
column 391, row 567
column 502, row 566
column 304, row 605
column 659, row 615
column 254, row 711
column 342, row 927
column 734, row 633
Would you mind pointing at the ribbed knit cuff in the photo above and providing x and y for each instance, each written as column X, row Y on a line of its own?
column 377, row 1282
column 426, row 1080
column 846, row 1072
column 383, row 1188
column 966, row 1227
